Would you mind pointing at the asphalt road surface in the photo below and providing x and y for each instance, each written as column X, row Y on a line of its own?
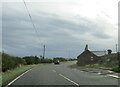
column 51, row 74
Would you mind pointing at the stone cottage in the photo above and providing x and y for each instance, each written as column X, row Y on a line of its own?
column 87, row 57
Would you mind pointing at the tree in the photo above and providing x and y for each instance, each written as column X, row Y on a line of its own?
column 31, row 59
column 109, row 51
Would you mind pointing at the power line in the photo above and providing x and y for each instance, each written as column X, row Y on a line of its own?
column 31, row 20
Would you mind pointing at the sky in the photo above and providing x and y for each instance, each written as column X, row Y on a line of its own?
column 63, row 26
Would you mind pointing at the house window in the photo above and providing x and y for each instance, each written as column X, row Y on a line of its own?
column 91, row 58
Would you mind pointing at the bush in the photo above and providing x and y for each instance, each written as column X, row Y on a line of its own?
column 60, row 59
column 46, row 60
column 31, row 60
column 72, row 59
column 116, row 69
column 10, row 62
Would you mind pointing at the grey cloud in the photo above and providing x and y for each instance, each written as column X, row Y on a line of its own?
column 48, row 22
column 87, row 26
column 19, row 35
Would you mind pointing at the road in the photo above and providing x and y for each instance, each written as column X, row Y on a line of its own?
column 51, row 74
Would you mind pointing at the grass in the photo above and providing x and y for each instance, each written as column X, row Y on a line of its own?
column 0, row 79
column 92, row 66
column 113, row 67
column 12, row 74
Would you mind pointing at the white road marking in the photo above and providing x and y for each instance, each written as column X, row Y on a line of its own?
column 17, row 78
column 99, row 73
column 54, row 71
column 110, row 71
column 69, row 80
column 81, row 71
column 109, row 75
column 114, row 76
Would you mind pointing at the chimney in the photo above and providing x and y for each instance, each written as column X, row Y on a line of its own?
column 86, row 48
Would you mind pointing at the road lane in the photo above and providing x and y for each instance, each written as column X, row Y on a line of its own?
column 51, row 74
column 42, row 75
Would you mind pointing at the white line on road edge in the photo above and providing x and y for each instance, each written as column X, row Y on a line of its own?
column 81, row 71
column 69, row 79
column 17, row 78
column 114, row 76
column 54, row 71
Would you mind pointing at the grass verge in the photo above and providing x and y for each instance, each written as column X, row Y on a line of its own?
column 12, row 74
column 113, row 68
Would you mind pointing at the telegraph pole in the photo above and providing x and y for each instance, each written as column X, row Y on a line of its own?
column 43, row 51
column 69, row 53
column 116, row 48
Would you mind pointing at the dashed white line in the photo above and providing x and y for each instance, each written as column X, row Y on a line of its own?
column 54, row 71
column 69, row 79
column 99, row 73
column 17, row 78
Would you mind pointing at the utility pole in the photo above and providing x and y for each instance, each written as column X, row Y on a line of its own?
column 68, row 53
column 116, row 48
column 43, row 51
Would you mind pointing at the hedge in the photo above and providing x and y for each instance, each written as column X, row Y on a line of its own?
column 11, row 62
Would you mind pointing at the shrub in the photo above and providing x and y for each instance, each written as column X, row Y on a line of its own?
column 72, row 59
column 60, row 59
column 10, row 62
column 31, row 60
column 116, row 69
column 46, row 60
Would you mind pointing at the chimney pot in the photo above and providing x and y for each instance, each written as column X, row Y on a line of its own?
column 86, row 48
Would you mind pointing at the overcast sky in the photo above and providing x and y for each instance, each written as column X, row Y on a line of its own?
column 64, row 26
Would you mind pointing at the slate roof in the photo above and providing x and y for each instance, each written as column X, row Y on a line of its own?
column 99, row 53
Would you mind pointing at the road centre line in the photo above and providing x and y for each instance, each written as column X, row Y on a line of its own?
column 69, row 79
column 99, row 73
column 17, row 78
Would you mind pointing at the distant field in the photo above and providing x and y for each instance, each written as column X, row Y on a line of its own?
column 12, row 74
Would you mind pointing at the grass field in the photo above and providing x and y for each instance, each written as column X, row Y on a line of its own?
column 12, row 74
